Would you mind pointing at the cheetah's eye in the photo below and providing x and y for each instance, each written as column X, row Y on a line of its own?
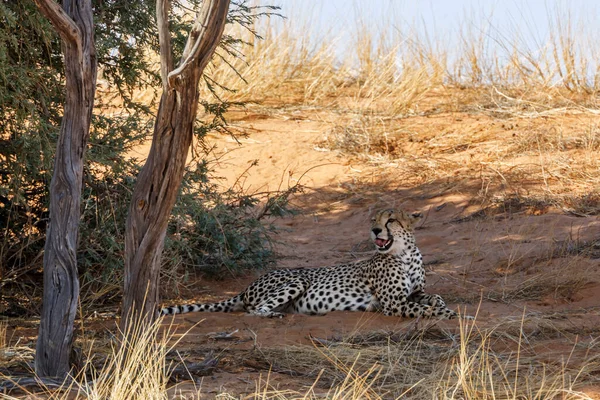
column 391, row 220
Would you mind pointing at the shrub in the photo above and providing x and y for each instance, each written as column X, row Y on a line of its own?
column 210, row 230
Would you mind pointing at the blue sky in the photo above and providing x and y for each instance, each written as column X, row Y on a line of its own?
column 443, row 19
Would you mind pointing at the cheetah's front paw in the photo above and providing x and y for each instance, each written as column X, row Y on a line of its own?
column 437, row 301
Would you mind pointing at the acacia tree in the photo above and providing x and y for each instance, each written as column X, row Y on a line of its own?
column 74, row 23
column 159, row 180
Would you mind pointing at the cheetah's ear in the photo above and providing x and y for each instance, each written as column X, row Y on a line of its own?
column 415, row 218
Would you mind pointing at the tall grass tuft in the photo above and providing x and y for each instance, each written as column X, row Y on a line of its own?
column 136, row 367
column 388, row 70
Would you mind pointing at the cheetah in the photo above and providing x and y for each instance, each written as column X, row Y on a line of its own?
column 392, row 281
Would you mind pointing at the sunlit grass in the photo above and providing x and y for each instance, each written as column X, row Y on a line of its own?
column 372, row 90
column 468, row 361
column 135, row 367
column 435, row 364
column 388, row 69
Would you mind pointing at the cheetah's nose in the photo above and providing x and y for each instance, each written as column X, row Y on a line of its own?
column 376, row 231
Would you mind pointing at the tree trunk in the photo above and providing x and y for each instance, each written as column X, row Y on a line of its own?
column 158, row 183
column 74, row 23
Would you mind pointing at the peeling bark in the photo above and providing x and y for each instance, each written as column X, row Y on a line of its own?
column 158, row 183
column 74, row 23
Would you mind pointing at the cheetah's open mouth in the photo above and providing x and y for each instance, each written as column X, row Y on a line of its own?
column 383, row 244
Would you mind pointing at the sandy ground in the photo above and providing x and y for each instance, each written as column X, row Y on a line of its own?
column 525, row 268
column 530, row 270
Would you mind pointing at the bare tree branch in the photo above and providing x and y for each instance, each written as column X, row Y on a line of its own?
column 211, row 17
column 64, row 25
column 164, row 38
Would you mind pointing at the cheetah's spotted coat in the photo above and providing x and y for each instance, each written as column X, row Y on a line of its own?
column 392, row 281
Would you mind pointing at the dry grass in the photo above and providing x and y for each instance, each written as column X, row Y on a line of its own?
column 516, row 126
column 134, row 368
column 490, row 113
column 388, row 71
column 15, row 354
column 474, row 362
column 379, row 74
column 3, row 333
column 554, row 283
column 433, row 363
column 547, row 162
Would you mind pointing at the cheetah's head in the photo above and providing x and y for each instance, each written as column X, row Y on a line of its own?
column 392, row 230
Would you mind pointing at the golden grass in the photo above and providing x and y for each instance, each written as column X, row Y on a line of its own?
column 473, row 361
column 135, row 367
column 552, row 161
column 491, row 113
column 553, row 282
column 3, row 339
column 388, row 71
column 515, row 122
column 438, row 364
column 518, row 126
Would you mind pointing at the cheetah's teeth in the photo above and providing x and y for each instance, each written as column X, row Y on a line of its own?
column 382, row 242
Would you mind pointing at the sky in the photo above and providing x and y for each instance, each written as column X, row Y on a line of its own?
column 438, row 14
column 442, row 20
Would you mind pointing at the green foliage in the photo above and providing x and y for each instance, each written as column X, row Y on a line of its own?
column 216, row 231
column 209, row 230
column 30, row 97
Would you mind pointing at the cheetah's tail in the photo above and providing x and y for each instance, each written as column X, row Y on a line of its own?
column 235, row 303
